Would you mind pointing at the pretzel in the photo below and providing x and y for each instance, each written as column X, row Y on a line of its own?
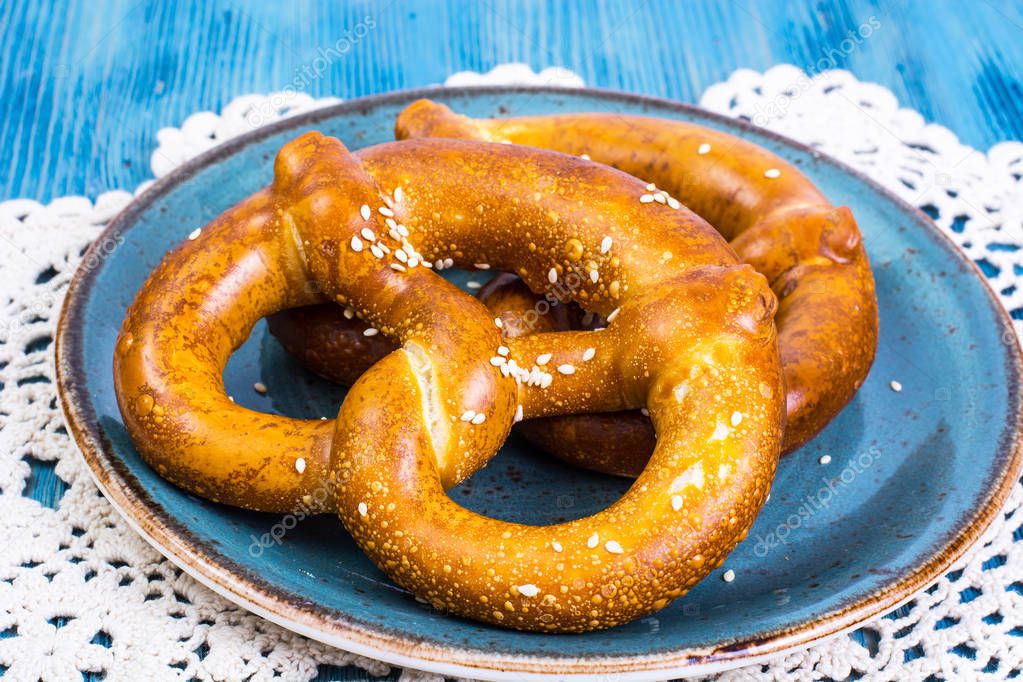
column 775, row 219
column 692, row 340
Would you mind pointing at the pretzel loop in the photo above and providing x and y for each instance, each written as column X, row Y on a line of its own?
column 776, row 220
column 692, row 341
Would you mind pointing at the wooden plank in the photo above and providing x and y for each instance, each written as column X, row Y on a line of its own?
column 85, row 87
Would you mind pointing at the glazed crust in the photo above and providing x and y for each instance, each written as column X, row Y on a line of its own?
column 692, row 340
column 774, row 218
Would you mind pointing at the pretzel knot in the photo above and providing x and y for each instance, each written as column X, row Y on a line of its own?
column 689, row 338
column 775, row 218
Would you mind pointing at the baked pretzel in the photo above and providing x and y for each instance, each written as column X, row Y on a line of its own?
column 775, row 219
column 692, row 340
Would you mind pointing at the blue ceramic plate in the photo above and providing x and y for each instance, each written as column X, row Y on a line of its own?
column 913, row 479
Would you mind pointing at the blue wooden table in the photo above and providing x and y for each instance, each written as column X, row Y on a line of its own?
column 84, row 86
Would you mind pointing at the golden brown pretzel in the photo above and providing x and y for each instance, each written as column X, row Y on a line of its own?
column 692, row 341
column 776, row 220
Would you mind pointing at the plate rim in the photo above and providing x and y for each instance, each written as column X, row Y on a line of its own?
column 237, row 584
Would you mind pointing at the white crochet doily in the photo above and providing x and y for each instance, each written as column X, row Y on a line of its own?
column 81, row 593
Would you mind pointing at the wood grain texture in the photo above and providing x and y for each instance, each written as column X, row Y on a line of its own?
column 84, row 86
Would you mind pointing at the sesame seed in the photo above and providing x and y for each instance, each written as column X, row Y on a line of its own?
column 660, row 198
column 825, row 459
column 646, row 199
column 376, row 250
column 528, row 590
column 518, row 414
column 651, row 187
column 403, row 231
column 556, row 546
column 736, row 418
column 497, row 361
column 479, row 418
column 401, row 255
column 498, row 323
column 613, row 547
column 386, row 212
column 594, row 276
column 543, row 359
column 704, row 149
column 584, row 156
column 356, row 244
column 645, row 412
column 896, row 386
column 472, row 284
column 368, row 234
column 194, row 234
column 674, row 203
column 772, row 173
column 613, row 315
column 728, row 576
column 349, row 313
column 397, row 193
column 259, row 387
column 588, row 354
column 439, row 264
column 552, row 275
column 481, row 266
column 363, row 509
column 605, row 244
column 365, row 212
column 398, row 266
column 450, row 263
column 468, row 415
column 371, row 331
column 502, row 350
column 566, row 369
column 676, row 502
column 593, row 541
column 300, row 465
